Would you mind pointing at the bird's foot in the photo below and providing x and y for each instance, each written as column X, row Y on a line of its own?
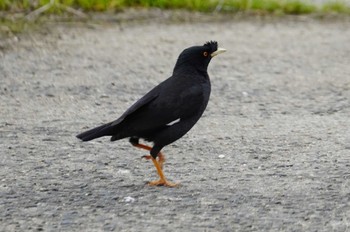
column 147, row 157
column 163, row 183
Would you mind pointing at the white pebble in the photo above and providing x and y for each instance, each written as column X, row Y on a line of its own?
column 129, row 199
column 123, row 171
column 245, row 93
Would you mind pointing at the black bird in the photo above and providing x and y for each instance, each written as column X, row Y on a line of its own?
column 168, row 111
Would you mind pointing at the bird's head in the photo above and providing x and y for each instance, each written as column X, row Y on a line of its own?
column 198, row 57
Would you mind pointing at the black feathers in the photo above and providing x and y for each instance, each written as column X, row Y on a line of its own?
column 212, row 46
column 182, row 96
column 195, row 58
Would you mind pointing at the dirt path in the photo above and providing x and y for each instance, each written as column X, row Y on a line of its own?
column 272, row 152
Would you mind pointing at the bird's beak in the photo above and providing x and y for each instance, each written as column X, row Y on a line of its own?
column 218, row 51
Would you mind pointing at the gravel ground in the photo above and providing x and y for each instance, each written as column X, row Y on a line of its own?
column 271, row 152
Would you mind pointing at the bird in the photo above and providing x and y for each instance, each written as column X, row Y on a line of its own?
column 168, row 111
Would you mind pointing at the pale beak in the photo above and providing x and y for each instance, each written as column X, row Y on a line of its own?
column 218, row 51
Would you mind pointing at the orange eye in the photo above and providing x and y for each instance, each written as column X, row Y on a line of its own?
column 205, row 54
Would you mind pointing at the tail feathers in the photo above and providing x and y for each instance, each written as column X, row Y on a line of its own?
column 97, row 132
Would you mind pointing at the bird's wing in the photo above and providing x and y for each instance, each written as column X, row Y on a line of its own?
column 110, row 128
column 165, row 109
column 149, row 97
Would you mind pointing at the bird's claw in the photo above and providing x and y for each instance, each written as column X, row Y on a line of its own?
column 147, row 157
column 163, row 183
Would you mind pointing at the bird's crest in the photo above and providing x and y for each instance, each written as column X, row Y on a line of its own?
column 212, row 45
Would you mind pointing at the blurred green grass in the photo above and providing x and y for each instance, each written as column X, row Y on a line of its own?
column 262, row 6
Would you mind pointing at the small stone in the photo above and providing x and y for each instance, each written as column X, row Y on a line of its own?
column 245, row 94
column 129, row 199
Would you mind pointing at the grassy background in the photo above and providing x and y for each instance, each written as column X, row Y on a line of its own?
column 261, row 6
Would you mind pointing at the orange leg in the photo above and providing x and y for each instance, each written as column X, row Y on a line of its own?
column 162, row 181
column 159, row 166
column 161, row 157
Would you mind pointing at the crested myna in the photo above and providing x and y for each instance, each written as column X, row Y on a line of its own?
column 168, row 111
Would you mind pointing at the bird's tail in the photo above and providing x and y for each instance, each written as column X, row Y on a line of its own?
column 96, row 132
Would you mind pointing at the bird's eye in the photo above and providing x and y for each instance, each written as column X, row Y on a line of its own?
column 205, row 54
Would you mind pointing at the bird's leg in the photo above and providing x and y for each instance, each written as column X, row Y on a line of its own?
column 161, row 157
column 162, row 181
column 158, row 164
